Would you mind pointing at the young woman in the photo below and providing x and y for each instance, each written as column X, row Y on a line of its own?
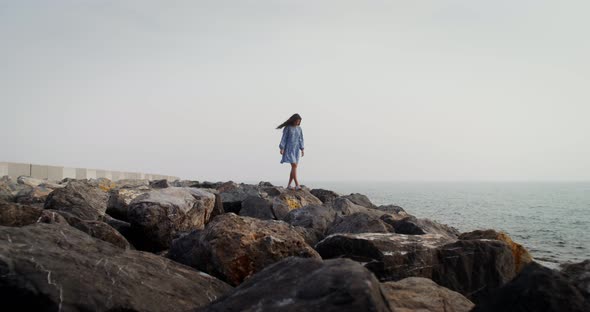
column 291, row 143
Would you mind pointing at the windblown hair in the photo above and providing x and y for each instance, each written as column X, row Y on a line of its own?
column 290, row 122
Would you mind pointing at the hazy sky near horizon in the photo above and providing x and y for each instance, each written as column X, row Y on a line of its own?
column 388, row 90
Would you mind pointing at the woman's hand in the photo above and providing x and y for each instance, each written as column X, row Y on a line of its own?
column 302, row 153
column 282, row 151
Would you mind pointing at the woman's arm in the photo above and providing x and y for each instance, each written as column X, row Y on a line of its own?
column 301, row 141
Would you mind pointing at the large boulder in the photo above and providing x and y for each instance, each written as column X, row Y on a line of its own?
column 5, row 192
column 474, row 267
column 97, row 229
column 538, row 289
column 133, row 184
column 360, row 199
column 360, row 223
column 522, row 256
column 233, row 247
column 162, row 183
column 33, row 182
column 121, row 198
column 292, row 199
column 53, row 267
column 16, row 215
column 257, row 207
column 344, row 207
column 393, row 209
column 413, row 226
column 326, row 196
column 159, row 215
column 80, row 199
column 579, row 275
column 297, row 284
column 315, row 219
column 36, row 195
column 103, row 184
column 232, row 195
column 390, row 256
column 418, row 294
column 12, row 214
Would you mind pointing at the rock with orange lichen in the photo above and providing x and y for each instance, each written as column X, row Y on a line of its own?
column 290, row 200
column 234, row 247
column 521, row 255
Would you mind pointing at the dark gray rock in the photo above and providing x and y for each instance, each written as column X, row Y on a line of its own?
column 290, row 200
column 265, row 184
column 418, row 294
column 159, row 183
column 390, row 256
column 159, row 215
column 297, row 284
column 13, row 214
column 53, row 267
column 538, row 289
column 392, row 209
column 521, row 255
column 360, row 199
column 233, row 194
column 474, row 267
column 326, row 196
column 97, row 229
column 232, row 247
column 360, row 223
column 34, row 196
column 579, row 275
column 121, row 226
column 414, row 226
column 257, row 207
column 80, row 199
column 315, row 218
column 120, row 199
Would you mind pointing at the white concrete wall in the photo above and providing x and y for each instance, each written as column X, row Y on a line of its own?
column 56, row 173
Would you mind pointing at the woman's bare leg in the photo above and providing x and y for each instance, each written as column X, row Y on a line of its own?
column 290, row 176
column 294, row 173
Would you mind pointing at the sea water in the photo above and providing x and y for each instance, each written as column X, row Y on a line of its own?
column 551, row 219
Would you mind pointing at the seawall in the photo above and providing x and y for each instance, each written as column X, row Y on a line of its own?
column 57, row 173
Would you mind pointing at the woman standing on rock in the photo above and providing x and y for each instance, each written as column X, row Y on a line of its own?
column 291, row 143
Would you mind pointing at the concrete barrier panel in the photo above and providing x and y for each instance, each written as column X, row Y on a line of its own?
column 69, row 173
column 55, row 173
column 16, row 170
column 90, row 174
column 3, row 169
column 81, row 173
column 39, row 172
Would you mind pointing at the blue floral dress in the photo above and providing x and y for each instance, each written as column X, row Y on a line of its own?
column 291, row 142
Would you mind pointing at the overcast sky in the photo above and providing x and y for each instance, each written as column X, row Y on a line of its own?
column 388, row 90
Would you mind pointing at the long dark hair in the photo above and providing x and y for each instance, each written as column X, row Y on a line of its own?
column 290, row 122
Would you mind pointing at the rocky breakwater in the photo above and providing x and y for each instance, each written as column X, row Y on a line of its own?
column 135, row 245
